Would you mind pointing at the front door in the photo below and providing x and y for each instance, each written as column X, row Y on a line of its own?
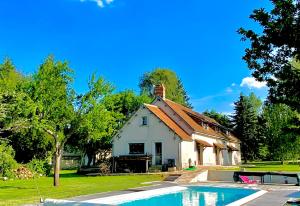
column 158, row 153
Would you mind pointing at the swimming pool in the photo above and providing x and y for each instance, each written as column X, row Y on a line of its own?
column 173, row 196
column 195, row 196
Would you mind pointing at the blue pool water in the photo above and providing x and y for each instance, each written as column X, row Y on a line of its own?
column 195, row 196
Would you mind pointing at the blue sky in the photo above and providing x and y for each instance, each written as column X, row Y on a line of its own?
column 122, row 39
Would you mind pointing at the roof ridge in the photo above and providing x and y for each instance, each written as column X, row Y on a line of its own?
column 192, row 110
column 165, row 119
column 151, row 105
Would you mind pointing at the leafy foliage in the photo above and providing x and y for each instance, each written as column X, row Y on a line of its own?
column 246, row 127
column 16, row 110
column 40, row 166
column 281, row 142
column 94, row 123
column 54, row 97
column 174, row 87
column 274, row 56
column 223, row 119
column 7, row 161
column 125, row 102
column 274, row 53
column 272, row 49
column 9, row 77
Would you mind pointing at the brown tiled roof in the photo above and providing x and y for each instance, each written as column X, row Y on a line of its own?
column 189, row 116
column 220, row 146
column 169, row 122
column 203, row 143
column 232, row 148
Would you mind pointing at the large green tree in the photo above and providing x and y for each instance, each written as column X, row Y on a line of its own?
column 245, row 121
column 174, row 87
column 95, row 124
column 9, row 77
column 53, row 98
column 125, row 102
column 15, row 108
column 272, row 49
column 282, row 143
column 223, row 119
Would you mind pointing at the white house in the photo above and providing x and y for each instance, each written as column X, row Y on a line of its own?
column 165, row 132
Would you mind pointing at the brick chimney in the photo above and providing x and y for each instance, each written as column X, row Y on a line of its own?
column 160, row 91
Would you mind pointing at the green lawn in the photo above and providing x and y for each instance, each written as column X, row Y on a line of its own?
column 14, row 192
column 272, row 166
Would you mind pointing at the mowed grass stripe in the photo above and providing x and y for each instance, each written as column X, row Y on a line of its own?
column 14, row 192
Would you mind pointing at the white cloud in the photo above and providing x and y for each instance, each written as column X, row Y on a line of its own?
column 227, row 113
column 229, row 90
column 100, row 3
column 250, row 82
column 233, row 84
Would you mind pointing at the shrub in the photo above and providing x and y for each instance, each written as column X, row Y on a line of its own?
column 39, row 166
column 263, row 152
column 7, row 161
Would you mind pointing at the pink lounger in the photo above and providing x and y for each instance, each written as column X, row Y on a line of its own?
column 246, row 180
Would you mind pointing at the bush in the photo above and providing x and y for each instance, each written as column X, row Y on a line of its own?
column 39, row 166
column 263, row 152
column 7, row 161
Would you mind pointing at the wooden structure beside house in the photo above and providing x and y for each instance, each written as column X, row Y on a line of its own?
column 165, row 133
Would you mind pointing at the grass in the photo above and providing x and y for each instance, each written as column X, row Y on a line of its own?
column 193, row 168
column 15, row 192
column 272, row 166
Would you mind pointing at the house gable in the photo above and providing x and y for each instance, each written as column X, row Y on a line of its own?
column 156, row 130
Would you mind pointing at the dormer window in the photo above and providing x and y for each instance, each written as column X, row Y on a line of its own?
column 144, row 120
column 204, row 125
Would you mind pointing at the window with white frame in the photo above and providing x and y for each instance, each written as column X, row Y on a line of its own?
column 136, row 148
column 144, row 120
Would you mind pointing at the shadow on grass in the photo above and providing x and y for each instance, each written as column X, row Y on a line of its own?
column 275, row 163
column 16, row 187
column 68, row 175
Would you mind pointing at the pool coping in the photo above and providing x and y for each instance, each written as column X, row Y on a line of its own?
column 132, row 196
column 247, row 198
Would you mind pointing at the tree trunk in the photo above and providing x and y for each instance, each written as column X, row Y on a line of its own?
column 57, row 158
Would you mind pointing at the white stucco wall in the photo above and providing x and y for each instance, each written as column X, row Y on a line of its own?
column 209, row 153
column 188, row 151
column 155, row 131
column 235, row 156
column 209, row 157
